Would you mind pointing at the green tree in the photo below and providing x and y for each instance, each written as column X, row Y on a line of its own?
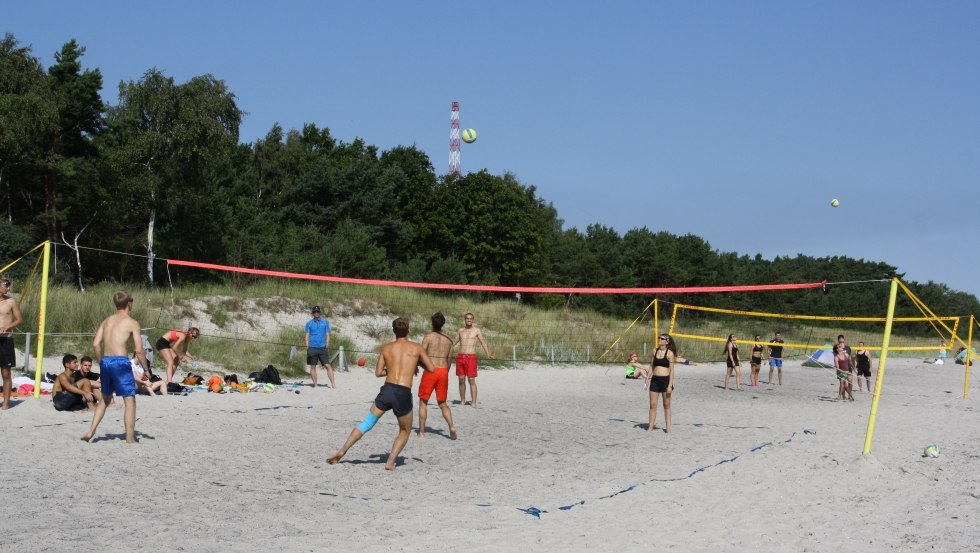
column 495, row 229
column 28, row 118
column 165, row 141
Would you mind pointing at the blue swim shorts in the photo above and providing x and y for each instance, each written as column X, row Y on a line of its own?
column 117, row 376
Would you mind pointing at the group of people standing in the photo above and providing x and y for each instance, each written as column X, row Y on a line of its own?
column 398, row 363
column 846, row 363
column 317, row 339
column 773, row 352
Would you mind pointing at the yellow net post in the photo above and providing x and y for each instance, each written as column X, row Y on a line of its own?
column 880, row 376
column 673, row 320
column 656, row 319
column 966, row 362
column 39, row 365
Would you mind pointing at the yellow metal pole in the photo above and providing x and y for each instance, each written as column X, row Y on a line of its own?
column 656, row 320
column 969, row 351
column 41, row 313
column 673, row 320
column 880, row 376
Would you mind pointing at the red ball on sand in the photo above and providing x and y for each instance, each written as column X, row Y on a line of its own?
column 361, row 362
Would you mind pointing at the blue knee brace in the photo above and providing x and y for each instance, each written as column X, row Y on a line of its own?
column 368, row 423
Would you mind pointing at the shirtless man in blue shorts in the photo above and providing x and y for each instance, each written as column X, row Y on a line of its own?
column 398, row 363
column 111, row 346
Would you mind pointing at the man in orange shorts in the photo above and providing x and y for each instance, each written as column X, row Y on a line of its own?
column 438, row 346
column 467, row 339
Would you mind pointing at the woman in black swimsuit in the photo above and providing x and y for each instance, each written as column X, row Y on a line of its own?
column 731, row 360
column 755, row 362
column 662, row 381
column 863, row 357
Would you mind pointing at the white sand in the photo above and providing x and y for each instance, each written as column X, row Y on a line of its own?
column 777, row 469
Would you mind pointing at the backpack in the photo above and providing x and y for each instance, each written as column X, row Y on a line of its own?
column 193, row 379
column 174, row 388
column 270, row 375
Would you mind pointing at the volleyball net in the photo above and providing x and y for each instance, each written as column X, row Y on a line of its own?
column 258, row 317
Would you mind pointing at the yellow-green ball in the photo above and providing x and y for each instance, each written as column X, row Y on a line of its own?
column 835, row 203
column 469, row 136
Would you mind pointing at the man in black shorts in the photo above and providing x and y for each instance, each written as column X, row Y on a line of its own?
column 398, row 363
column 10, row 318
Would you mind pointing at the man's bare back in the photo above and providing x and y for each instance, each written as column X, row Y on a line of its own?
column 438, row 346
column 111, row 341
column 399, row 362
column 114, row 334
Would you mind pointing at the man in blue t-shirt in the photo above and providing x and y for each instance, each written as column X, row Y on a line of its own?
column 317, row 345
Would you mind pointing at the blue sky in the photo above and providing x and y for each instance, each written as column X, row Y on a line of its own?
column 734, row 121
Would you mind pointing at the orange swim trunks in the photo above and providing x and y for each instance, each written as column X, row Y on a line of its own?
column 466, row 365
column 437, row 380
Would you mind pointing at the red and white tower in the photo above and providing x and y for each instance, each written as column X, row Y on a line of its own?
column 454, row 140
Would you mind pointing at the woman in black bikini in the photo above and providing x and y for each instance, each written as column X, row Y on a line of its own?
column 662, row 381
column 731, row 360
column 755, row 362
column 863, row 357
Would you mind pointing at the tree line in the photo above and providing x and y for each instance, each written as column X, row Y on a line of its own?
column 161, row 173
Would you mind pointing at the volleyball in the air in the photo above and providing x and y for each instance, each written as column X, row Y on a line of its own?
column 932, row 450
column 835, row 203
column 469, row 136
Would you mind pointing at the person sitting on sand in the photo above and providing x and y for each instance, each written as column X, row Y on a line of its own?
column 85, row 371
column 398, row 363
column 635, row 369
column 67, row 395
column 146, row 382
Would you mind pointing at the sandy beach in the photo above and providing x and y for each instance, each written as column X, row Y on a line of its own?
column 554, row 458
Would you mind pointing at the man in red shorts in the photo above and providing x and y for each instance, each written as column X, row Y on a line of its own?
column 467, row 339
column 438, row 346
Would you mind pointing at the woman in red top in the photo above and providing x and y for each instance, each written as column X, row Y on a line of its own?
column 168, row 345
